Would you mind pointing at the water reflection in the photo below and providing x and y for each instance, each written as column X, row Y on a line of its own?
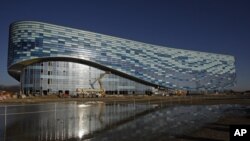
column 98, row 121
column 62, row 121
column 169, row 122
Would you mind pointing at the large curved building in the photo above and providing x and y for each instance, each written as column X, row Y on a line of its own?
column 48, row 58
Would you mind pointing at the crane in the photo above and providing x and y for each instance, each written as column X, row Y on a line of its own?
column 100, row 82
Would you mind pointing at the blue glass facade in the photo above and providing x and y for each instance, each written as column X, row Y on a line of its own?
column 31, row 43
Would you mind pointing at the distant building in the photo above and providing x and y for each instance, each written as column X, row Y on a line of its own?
column 48, row 58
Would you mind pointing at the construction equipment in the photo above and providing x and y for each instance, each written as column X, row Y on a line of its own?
column 5, row 95
column 180, row 93
column 63, row 95
column 168, row 92
column 160, row 91
column 102, row 91
column 88, row 92
column 93, row 92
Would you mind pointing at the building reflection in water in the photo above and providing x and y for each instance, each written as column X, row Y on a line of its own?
column 62, row 121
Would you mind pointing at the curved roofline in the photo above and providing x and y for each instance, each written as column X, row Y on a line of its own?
column 15, row 69
column 122, row 38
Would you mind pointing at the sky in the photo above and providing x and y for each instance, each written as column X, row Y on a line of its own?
column 216, row 26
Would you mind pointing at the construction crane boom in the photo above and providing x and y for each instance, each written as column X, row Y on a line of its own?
column 99, row 80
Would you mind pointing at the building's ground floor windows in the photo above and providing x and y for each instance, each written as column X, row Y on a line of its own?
column 57, row 77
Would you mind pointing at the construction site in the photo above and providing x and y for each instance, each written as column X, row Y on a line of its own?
column 110, row 86
column 69, row 62
column 95, row 90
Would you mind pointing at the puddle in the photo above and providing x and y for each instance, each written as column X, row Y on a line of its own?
column 97, row 121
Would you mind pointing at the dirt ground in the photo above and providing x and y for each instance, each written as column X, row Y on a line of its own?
column 160, row 100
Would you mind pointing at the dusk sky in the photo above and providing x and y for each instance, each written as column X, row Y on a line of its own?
column 216, row 26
